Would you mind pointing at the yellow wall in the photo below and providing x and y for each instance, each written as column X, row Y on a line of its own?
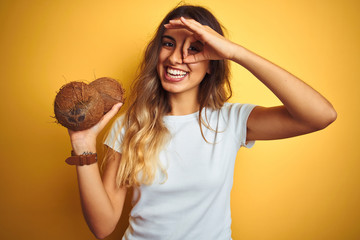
column 301, row 188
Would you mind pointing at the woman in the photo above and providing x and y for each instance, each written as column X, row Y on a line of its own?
column 177, row 143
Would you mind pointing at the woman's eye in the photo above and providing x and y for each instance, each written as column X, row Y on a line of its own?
column 167, row 44
column 193, row 49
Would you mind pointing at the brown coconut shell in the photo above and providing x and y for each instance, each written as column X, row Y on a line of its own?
column 78, row 106
column 111, row 91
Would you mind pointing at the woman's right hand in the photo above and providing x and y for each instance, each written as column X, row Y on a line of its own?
column 215, row 46
column 85, row 140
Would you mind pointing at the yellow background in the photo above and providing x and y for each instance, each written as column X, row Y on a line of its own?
column 301, row 188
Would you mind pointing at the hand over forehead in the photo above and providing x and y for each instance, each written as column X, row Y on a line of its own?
column 215, row 46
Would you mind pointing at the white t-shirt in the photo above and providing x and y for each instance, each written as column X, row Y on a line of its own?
column 194, row 202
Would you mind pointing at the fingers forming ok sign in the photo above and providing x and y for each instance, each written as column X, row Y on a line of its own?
column 215, row 46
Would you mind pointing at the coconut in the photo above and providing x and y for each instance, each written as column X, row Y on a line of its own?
column 78, row 106
column 110, row 91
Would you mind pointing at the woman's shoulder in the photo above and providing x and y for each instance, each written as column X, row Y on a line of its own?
column 235, row 107
column 236, row 110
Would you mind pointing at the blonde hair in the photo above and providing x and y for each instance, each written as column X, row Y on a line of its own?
column 145, row 132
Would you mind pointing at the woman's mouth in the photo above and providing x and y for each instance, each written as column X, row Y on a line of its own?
column 174, row 74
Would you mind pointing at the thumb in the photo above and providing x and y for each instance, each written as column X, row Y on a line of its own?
column 194, row 58
column 109, row 115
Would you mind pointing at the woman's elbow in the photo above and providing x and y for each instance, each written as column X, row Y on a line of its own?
column 328, row 116
column 332, row 116
column 102, row 232
column 100, row 236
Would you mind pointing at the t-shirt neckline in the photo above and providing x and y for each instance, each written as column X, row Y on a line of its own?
column 186, row 117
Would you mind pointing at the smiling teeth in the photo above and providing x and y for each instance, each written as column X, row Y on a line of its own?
column 175, row 73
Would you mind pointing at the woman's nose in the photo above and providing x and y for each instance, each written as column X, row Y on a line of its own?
column 176, row 56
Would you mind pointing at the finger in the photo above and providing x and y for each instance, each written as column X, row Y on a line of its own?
column 109, row 115
column 192, row 25
column 185, row 48
column 183, row 22
column 194, row 58
column 174, row 24
column 189, row 24
column 187, row 43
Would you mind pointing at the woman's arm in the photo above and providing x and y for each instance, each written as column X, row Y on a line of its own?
column 304, row 109
column 102, row 202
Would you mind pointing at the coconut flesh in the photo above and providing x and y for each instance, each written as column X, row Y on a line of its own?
column 79, row 106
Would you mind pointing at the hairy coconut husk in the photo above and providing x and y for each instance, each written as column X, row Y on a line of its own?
column 78, row 106
column 110, row 90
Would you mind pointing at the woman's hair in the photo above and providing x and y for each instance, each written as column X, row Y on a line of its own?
column 145, row 132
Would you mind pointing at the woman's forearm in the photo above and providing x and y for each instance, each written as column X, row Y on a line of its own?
column 98, row 210
column 101, row 200
column 302, row 102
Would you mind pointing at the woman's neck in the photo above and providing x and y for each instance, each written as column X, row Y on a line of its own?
column 183, row 104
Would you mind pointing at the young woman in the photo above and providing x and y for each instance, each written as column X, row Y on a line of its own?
column 176, row 145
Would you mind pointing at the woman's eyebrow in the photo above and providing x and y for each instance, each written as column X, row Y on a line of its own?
column 169, row 37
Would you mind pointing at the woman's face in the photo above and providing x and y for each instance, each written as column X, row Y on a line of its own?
column 177, row 77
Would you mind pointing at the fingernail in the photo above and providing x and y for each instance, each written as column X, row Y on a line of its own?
column 118, row 105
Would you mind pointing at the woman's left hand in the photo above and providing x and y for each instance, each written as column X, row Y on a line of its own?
column 216, row 47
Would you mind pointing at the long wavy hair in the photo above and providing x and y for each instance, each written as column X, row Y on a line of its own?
column 145, row 133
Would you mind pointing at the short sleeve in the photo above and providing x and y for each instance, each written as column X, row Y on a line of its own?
column 115, row 135
column 238, row 116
